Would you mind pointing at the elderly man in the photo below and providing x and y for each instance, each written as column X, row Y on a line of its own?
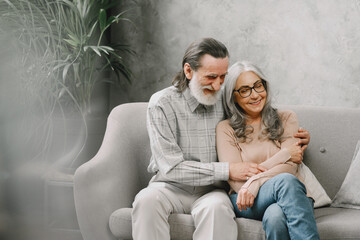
column 188, row 178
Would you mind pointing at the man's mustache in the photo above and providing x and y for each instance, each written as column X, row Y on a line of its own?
column 208, row 87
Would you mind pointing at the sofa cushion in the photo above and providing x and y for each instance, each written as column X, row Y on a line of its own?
column 332, row 223
column 349, row 193
column 315, row 189
column 338, row 223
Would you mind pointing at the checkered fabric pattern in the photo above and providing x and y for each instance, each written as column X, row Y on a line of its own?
column 182, row 139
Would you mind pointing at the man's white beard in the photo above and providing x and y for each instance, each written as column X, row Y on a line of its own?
column 198, row 92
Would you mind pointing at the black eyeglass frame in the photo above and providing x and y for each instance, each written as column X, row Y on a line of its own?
column 252, row 88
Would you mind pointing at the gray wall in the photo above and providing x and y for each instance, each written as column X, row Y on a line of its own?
column 309, row 50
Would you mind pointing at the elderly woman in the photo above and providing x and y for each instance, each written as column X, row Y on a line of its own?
column 255, row 132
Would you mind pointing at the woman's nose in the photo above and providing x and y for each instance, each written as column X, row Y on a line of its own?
column 254, row 94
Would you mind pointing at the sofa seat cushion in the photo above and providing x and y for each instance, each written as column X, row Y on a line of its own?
column 181, row 226
column 332, row 223
column 338, row 223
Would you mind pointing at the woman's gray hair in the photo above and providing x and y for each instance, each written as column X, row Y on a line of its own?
column 271, row 125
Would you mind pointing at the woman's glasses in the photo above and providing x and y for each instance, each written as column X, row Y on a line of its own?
column 259, row 86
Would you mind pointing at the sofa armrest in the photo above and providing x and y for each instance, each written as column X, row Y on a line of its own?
column 112, row 178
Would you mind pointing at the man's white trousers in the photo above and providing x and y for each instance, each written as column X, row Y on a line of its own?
column 211, row 210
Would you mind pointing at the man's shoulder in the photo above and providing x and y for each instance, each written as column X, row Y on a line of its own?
column 164, row 96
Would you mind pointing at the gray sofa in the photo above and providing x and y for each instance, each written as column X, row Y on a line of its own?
column 105, row 186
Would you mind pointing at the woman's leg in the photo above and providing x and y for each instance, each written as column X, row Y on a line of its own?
column 274, row 223
column 290, row 195
column 274, row 220
column 261, row 203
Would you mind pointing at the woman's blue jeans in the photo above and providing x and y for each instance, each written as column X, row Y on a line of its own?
column 284, row 208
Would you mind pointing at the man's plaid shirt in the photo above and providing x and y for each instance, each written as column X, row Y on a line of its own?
column 182, row 139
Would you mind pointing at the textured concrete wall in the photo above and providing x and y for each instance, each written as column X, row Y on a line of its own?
column 309, row 50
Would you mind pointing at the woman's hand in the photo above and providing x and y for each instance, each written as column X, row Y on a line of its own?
column 304, row 136
column 296, row 153
column 245, row 199
column 242, row 171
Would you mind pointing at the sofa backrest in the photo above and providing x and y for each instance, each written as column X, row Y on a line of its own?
column 334, row 134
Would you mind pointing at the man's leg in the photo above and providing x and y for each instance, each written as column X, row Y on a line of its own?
column 152, row 208
column 274, row 223
column 214, row 217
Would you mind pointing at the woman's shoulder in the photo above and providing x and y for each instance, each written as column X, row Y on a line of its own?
column 286, row 113
column 225, row 131
column 224, row 126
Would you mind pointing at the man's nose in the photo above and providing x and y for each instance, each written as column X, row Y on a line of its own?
column 216, row 85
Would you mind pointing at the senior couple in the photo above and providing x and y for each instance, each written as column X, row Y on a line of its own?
column 202, row 135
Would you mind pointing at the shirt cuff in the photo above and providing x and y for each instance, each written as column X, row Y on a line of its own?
column 249, row 181
column 221, row 170
column 254, row 189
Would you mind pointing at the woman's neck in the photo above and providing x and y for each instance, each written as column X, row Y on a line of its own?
column 253, row 120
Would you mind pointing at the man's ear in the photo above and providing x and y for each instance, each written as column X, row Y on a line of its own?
column 188, row 71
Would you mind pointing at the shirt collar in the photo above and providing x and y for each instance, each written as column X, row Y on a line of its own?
column 192, row 102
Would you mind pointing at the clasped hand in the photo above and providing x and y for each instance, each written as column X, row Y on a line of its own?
column 296, row 153
column 242, row 171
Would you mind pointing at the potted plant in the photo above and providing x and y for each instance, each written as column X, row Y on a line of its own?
column 63, row 56
column 84, row 55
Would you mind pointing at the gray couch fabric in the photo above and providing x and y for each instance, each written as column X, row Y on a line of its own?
column 333, row 223
column 105, row 187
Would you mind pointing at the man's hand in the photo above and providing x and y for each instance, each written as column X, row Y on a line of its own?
column 242, row 171
column 296, row 153
column 304, row 136
column 245, row 199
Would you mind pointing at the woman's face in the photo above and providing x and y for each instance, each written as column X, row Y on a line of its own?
column 250, row 83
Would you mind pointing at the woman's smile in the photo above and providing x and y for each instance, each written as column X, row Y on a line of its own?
column 256, row 103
